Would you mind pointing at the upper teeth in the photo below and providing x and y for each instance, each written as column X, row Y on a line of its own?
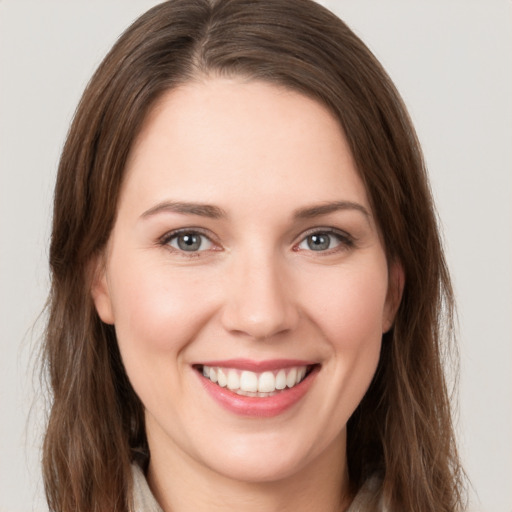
column 246, row 382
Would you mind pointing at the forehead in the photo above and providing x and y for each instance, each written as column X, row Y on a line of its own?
column 227, row 139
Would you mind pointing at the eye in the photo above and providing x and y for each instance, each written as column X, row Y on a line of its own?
column 188, row 241
column 324, row 241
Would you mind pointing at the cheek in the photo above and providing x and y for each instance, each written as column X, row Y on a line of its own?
column 157, row 315
column 350, row 305
column 350, row 322
column 158, row 311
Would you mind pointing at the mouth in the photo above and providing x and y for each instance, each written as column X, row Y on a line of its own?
column 261, row 389
column 256, row 384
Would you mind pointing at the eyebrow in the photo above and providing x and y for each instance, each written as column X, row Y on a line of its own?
column 203, row 210
column 215, row 212
column 330, row 207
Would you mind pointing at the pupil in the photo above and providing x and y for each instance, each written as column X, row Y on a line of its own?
column 318, row 242
column 189, row 242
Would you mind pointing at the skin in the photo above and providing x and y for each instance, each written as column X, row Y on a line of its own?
column 254, row 290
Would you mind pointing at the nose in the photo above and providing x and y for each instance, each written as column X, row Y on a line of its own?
column 259, row 300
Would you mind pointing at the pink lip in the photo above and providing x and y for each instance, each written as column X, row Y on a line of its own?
column 258, row 366
column 263, row 407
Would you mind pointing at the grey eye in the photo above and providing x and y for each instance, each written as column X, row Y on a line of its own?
column 190, row 242
column 320, row 242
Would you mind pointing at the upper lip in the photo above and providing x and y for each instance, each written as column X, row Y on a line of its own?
column 257, row 366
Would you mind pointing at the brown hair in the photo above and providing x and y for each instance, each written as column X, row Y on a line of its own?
column 402, row 429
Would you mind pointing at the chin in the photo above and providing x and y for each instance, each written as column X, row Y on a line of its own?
column 258, row 467
column 273, row 456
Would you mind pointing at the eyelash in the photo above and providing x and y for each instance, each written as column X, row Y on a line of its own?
column 345, row 241
column 166, row 240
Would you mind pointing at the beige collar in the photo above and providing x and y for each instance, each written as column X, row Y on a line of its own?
column 144, row 501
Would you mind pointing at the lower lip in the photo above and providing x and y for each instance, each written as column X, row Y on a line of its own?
column 262, row 407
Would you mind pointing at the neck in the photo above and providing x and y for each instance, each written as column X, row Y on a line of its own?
column 180, row 484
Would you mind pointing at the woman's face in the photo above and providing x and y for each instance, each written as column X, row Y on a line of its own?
column 245, row 250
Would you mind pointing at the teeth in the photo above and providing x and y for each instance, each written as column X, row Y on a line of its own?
column 281, row 379
column 248, row 383
column 233, row 380
column 291, row 378
column 251, row 393
column 222, row 379
column 267, row 382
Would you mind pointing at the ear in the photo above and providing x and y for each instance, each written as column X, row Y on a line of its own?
column 100, row 291
column 396, row 284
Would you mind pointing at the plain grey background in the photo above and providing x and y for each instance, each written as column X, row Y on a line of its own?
column 452, row 62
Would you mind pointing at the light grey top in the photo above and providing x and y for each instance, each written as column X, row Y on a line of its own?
column 144, row 501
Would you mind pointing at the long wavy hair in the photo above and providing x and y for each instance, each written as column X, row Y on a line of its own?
column 402, row 429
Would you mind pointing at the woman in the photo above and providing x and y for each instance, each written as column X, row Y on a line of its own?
column 248, row 289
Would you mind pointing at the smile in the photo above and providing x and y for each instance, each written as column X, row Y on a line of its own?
column 257, row 389
column 255, row 384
